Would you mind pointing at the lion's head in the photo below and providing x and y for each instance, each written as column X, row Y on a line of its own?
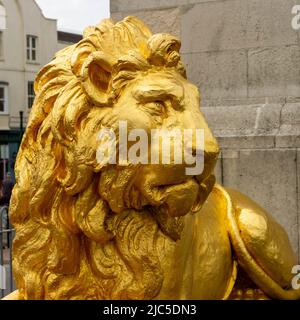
column 88, row 230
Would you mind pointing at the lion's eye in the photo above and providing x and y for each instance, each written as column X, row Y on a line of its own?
column 155, row 107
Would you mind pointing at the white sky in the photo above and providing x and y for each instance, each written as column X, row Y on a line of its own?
column 75, row 15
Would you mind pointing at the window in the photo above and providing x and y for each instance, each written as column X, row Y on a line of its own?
column 2, row 17
column 3, row 98
column 30, row 93
column 31, row 48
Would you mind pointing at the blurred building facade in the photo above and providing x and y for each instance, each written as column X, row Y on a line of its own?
column 28, row 41
column 244, row 56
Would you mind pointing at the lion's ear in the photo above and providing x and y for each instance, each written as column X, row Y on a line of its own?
column 95, row 77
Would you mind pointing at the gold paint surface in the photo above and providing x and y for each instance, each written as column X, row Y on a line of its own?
column 265, row 239
column 90, row 231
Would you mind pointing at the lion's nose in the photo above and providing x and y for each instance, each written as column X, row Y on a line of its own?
column 208, row 143
column 208, row 148
column 211, row 147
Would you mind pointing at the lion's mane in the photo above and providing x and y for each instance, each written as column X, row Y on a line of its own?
column 69, row 242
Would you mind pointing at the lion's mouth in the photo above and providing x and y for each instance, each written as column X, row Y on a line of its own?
column 170, row 187
column 179, row 198
column 177, row 201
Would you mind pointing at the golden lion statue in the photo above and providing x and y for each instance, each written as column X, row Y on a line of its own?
column 85, row 230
